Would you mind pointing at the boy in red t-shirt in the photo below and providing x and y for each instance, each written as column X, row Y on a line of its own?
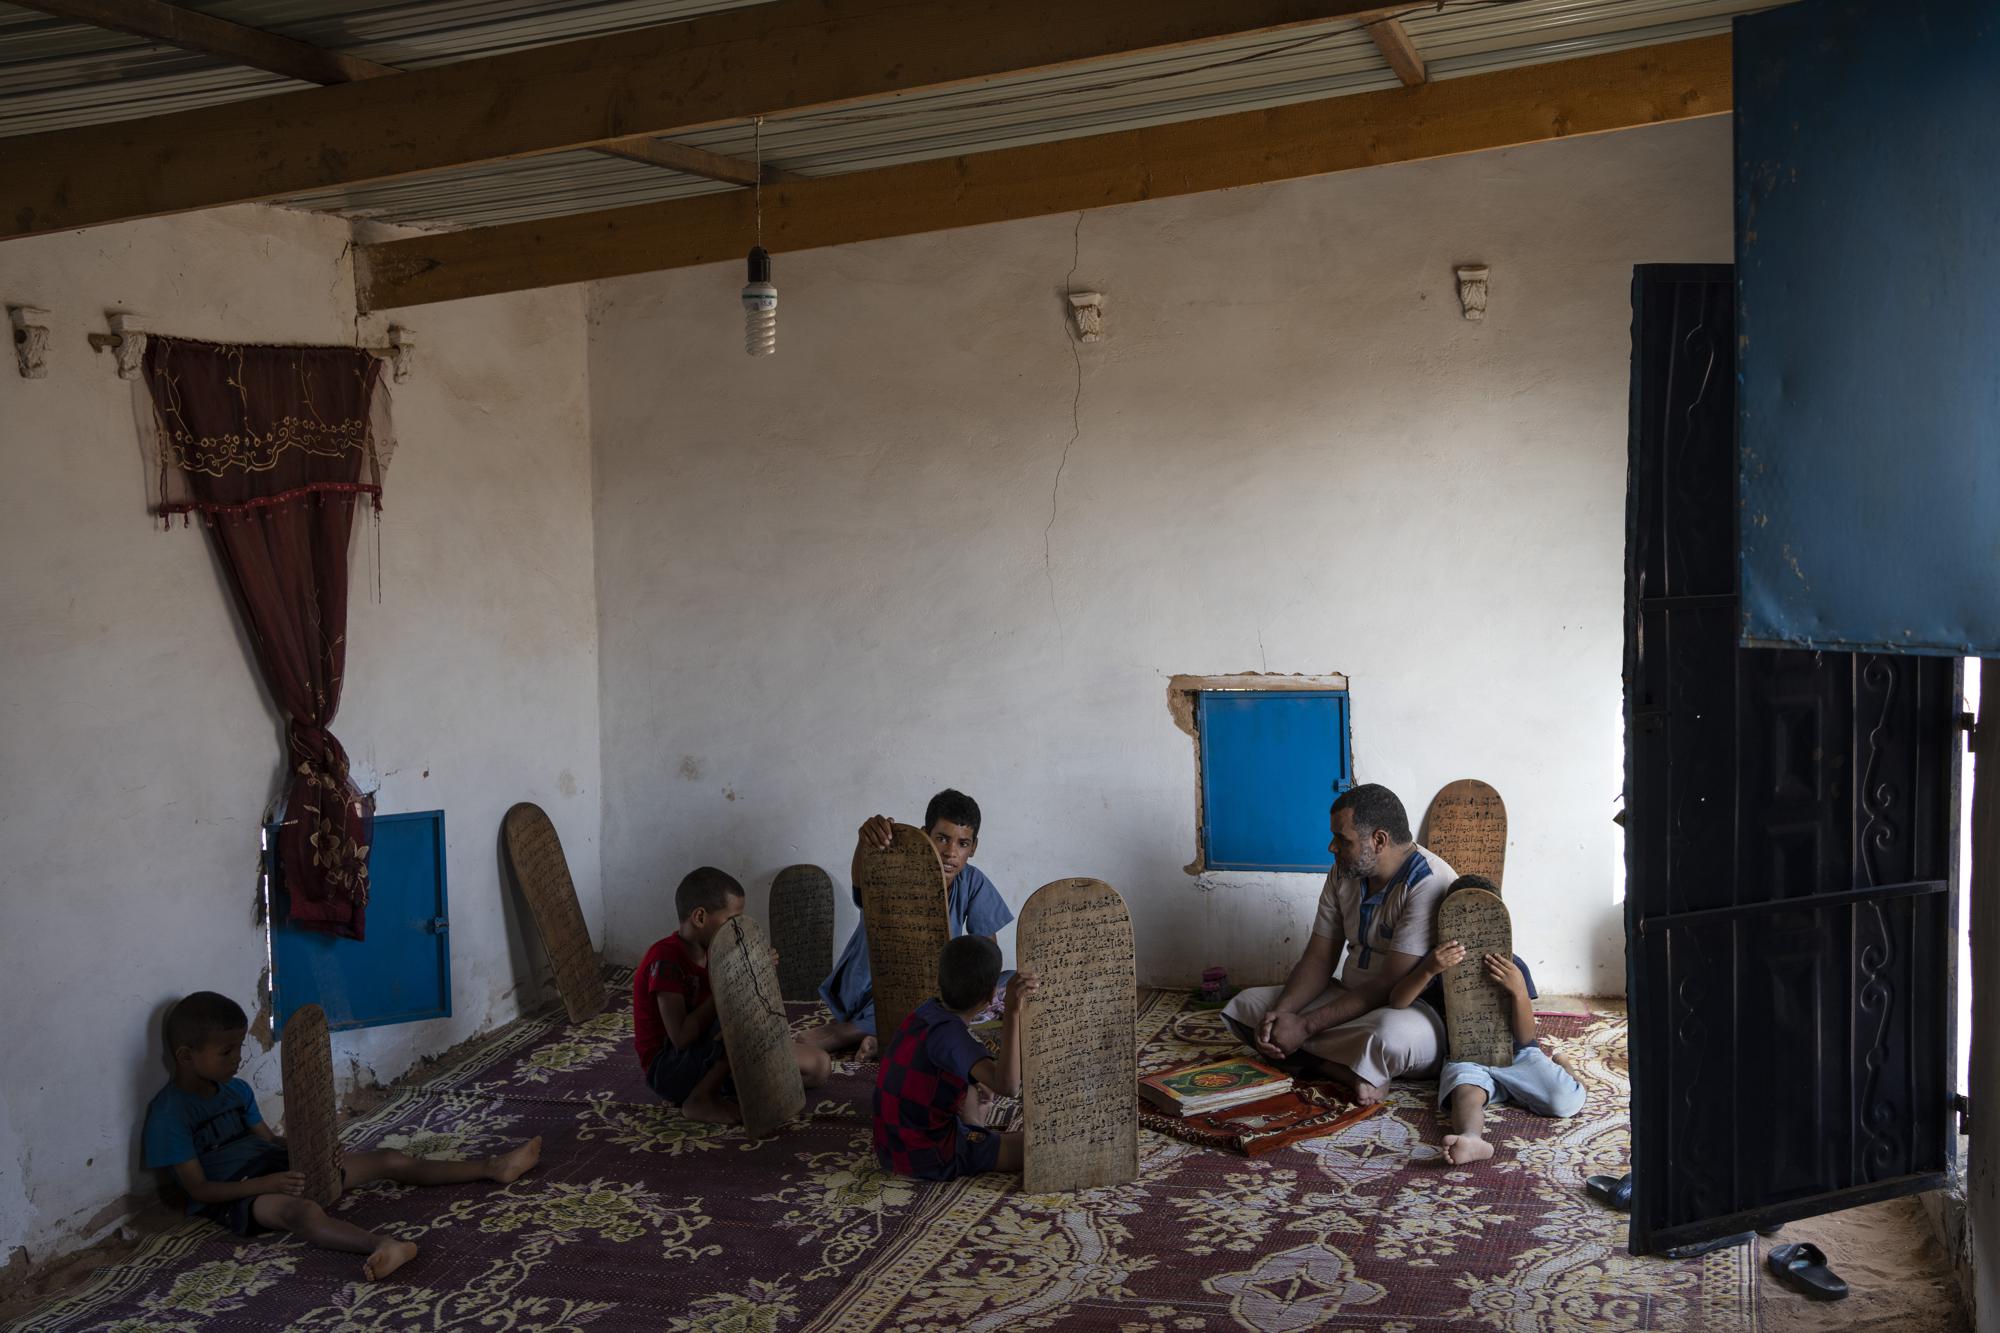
column 673, row 1012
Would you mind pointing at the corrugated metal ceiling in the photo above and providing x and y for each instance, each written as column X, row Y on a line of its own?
column 56, row 73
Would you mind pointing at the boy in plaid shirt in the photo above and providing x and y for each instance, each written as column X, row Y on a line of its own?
column 935, row 1091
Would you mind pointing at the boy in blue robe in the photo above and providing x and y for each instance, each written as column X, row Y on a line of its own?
column 1534, row 1082
column 973, row 904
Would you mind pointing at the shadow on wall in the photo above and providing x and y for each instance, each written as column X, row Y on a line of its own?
column 148, row 1076
column 1607, row 952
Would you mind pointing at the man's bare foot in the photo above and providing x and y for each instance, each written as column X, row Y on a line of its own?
column 511, row 1166
column 1466, row 1148
column 712, row 1110
column 868, row 1048
column 387, row 1257
column 1363, row 1092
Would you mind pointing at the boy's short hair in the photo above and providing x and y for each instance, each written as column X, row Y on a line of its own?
column 201, row 1016
column 952, row 807
column 968, row 969
column 1375, row 807
column 1473, row 882
column 705, row 886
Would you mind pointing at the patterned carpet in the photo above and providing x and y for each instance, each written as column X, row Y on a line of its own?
column 638, row 1219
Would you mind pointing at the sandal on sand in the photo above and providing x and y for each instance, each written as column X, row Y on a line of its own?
column 1700, row 1247
column 1612, row 1192
column 1802, row 1267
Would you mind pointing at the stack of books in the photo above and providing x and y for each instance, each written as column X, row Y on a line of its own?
column 1204, row 1089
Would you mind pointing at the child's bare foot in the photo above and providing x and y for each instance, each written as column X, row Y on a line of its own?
column 977, row 1107
column 868, row 1048
column 711, row 1109
column 511, row 1166
column 389, row 1256
column 1462, row 1149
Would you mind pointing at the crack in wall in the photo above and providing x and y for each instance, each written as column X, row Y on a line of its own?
column 1075, row 422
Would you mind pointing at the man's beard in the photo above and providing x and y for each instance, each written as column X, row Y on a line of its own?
column 1363, row 864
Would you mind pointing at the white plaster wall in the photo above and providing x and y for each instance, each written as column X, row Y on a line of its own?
column 139, row 745
column 834, row 581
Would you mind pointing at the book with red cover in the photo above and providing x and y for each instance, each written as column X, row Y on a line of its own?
column 1259, row 1127
column 1215, row 1085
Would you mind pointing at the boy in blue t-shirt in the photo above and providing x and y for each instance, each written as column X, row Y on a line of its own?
column 1534, row 1082
column 205, row 1127
column 973, row 907
column 935, row 1091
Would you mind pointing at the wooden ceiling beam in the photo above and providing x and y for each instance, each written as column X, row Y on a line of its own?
column 196, row 31
column 259, row 49
column 1393, row 41
column 1587, row 95
column 717, row 68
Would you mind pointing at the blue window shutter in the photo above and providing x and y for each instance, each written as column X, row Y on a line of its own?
column 1271, row 763
column 402, row 971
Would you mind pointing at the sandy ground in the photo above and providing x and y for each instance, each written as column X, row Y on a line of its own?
column 1897, row 1275
column 23, row 1292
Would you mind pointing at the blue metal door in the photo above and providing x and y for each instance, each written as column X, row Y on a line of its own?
column 1790, row 826
column 402, row 971
column 1868, row 256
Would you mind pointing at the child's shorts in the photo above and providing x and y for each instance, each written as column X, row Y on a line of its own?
column 1533, row 1082
column 236, row 1214
column 975, row 1152
column 675, row 1072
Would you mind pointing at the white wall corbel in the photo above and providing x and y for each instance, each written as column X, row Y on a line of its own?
column 126, row 341
column 1086, row 310
column 1472, row 290
column 402, row 353
column 31, row 340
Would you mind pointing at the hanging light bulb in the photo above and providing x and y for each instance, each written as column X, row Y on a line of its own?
column 760, row 306
column 760, row 298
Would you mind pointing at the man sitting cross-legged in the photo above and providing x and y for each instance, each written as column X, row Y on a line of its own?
column 1379, row 906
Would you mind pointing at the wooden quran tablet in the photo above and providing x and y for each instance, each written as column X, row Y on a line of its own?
column 536, row 855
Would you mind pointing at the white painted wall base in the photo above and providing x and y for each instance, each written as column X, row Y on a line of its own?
column 140, row 746
column 935, row 541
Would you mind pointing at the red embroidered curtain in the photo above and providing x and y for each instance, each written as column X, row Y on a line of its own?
column 275, row 447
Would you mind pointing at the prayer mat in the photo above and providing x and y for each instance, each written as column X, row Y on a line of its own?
column 638, row 1219
column 1255, row 1128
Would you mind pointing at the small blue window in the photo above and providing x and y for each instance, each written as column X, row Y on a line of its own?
column 402, row 971
column 1271, row 763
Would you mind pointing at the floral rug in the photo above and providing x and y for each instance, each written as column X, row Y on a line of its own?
column 639, row 1219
